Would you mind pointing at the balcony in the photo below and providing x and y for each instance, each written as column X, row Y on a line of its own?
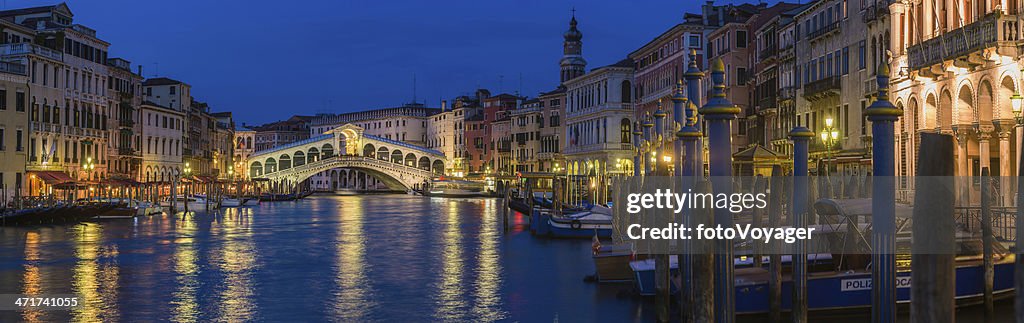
column 822, row 88
column 786, row 53
column 964, row 46
column 126, row 123
column 870, row 87
column 872, row 13
column 128, row 151
column 29, row 48
column 824, row 30
column 767, row 53
column 787, row 93
column 767, row 102
column 13, row 68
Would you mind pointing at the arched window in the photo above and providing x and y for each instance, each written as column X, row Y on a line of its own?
column 625, row 131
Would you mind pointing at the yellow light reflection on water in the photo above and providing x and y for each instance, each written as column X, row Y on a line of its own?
column 488, row 273
column 96, row 284
column 237, row 262
column 449, row 299
column 352, row 299
column 183, row 300
column 31, row 277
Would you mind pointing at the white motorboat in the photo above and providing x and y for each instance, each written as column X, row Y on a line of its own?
column 194, row 203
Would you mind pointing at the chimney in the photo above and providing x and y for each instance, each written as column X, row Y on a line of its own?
column 705, row 11
column 140, row 70
column 444, row 105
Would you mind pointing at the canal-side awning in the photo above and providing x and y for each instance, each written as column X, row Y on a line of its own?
column 51, row 177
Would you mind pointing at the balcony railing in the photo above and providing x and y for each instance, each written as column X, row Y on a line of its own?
column 13, row 68
column 766, row 53
column 990, row 30
column 767, row 102
column 787, row 93
column 127, row 151
column 870, row 87
column 127, row 123
column 824, row 30
column 823, row 86
column 29, row 48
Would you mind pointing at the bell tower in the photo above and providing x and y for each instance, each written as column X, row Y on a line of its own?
column 572, row 64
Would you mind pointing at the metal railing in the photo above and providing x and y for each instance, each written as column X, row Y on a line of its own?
column 824, row 30
column 767, row 52
column 822, row 86
column 988, row 31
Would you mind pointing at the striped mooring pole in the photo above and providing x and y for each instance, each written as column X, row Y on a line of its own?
column 801, row 137
column 883, row 114
column 718, row 114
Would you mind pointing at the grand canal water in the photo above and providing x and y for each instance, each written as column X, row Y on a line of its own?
column 384, row 257
column 356, row 258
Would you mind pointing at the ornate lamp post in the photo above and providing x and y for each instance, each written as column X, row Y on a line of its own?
column 1018, row 105
column 88, row 167
column 187, row 172
column 829, row 137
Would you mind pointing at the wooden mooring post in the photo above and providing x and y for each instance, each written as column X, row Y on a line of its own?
column 703, row 257
column 932, row 294
column 774, row 254
column 986, row 242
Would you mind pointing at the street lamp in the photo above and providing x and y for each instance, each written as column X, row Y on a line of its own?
column 1017, row 101
column 829, row 137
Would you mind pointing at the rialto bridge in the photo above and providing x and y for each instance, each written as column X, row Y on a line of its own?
column 398, row 165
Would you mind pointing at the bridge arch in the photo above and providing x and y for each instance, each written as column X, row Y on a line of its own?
column 271, row 165
column 327, row 150
column 410, row 160
column 396, row 156
column 312, row 155
column 369, row 150
column 284, row 162
column 437, row 167
column 255, row 169
column 396, row 163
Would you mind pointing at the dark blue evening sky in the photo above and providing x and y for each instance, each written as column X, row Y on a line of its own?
column 267, row 60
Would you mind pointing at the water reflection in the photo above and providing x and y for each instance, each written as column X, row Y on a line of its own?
column 450, row 301
column 237, row 263
column 488, row 272
column 358, row 258
column 352, row 299
column 31, row 277
column 94, row 279
column 186, row 268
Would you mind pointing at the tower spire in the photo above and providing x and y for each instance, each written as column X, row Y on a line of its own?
column 572, row 63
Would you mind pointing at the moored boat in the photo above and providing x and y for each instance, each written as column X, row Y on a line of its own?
column 454, row 188
column 583, row 224
column 194, row 203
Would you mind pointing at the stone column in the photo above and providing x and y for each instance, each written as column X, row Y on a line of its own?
column 961, row 154
column 984, row 150
column 1005, row 171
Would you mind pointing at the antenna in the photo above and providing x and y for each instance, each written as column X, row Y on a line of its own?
column 413, row 87
column 501, row 83
column 156, row 69
column 520, row 90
